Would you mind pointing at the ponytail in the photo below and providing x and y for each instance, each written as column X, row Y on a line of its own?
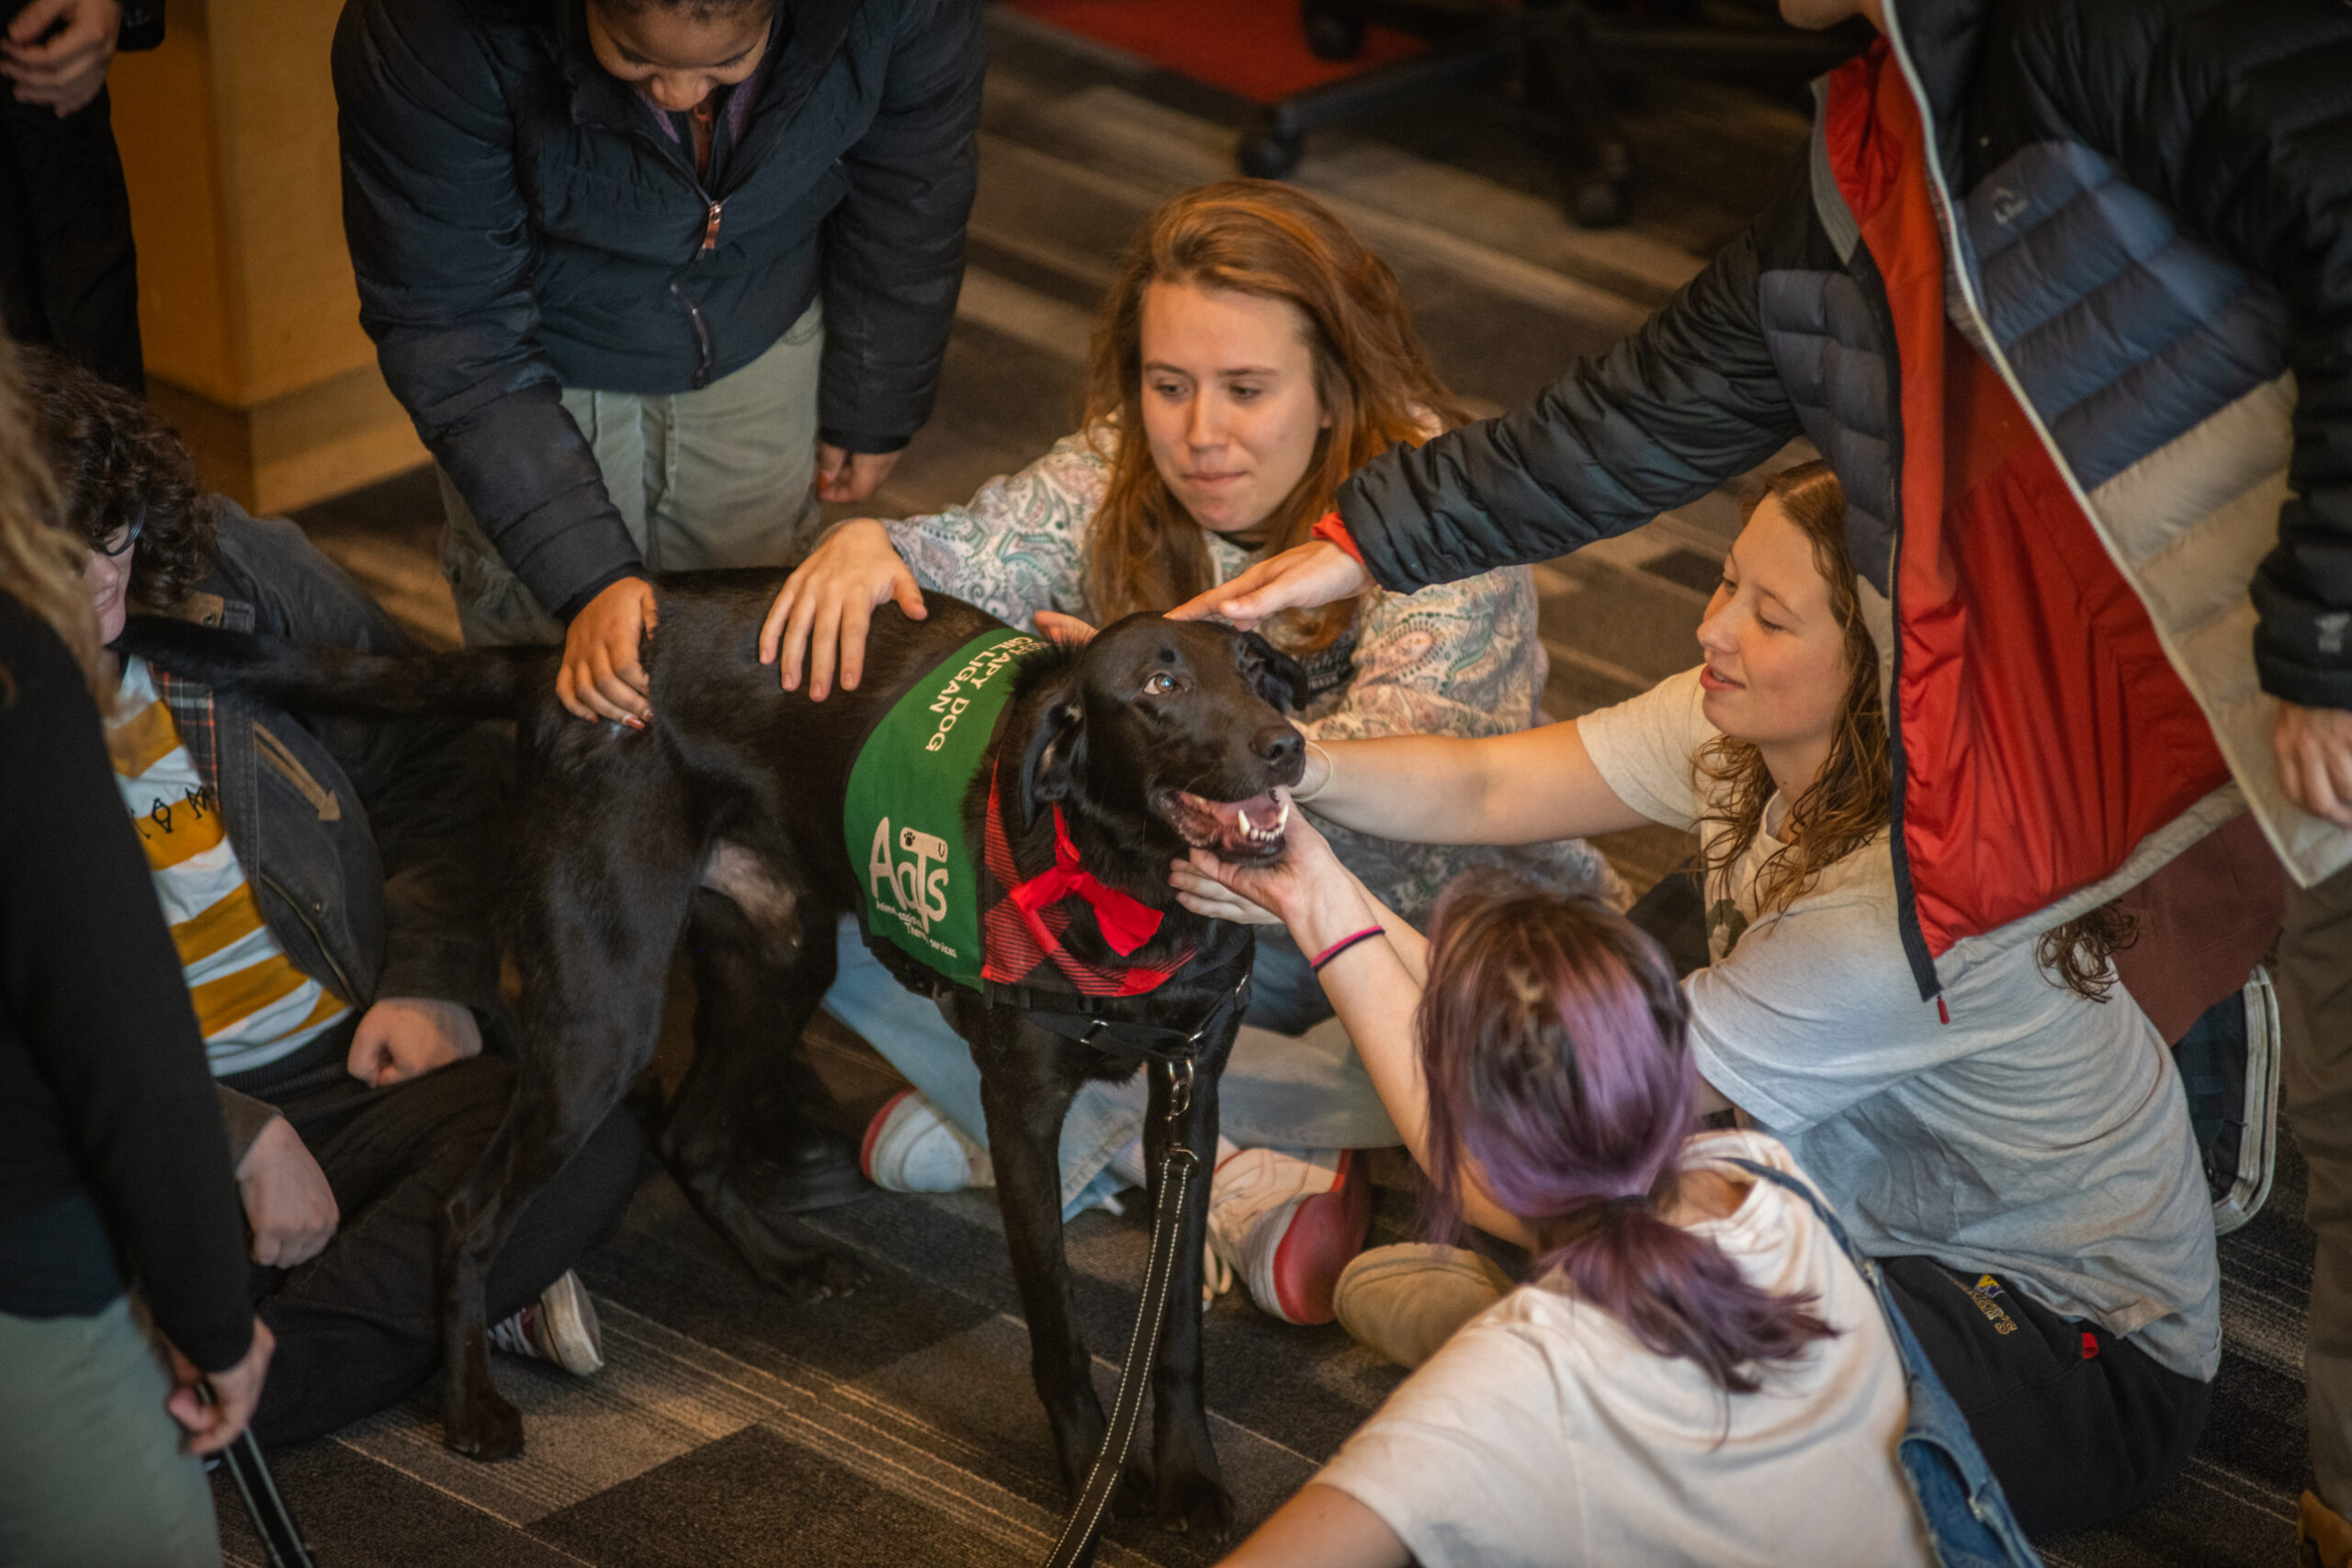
column 1553, row 1040
column 1678, row 1294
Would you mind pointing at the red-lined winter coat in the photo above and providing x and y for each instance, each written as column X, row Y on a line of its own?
column 2062, row 291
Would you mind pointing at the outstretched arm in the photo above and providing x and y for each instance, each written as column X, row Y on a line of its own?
column 1526, row 788
column 1375, row 984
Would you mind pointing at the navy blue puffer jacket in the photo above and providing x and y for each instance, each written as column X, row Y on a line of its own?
column 519, row 223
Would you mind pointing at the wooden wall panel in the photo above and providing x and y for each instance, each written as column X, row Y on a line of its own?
column 246, row 301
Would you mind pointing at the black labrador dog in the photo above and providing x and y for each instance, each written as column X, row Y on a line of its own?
column 721, row 822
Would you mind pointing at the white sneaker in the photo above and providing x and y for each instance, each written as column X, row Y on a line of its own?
column 911, row 1147
column 560, row 1326
column 1288, row 1225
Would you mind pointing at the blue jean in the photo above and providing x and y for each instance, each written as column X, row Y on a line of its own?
column 1303, row 1091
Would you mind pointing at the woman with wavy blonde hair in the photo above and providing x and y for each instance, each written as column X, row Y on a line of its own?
column 110, row 1147
column 1249, row 355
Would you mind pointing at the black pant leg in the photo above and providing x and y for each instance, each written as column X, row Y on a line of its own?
column 2079, row 1425
column 358, row 1327
column 69, row 272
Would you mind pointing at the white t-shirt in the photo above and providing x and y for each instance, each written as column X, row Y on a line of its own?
column 2037, row 1134
column 1545, row 1432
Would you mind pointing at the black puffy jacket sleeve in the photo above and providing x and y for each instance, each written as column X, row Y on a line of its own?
column 894, row 249
column 102, row 1069
column 1688, row 401
column 2237, row 114
column 442, row 246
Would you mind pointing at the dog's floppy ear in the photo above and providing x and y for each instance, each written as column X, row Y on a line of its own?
column 1273, row 674
column 1056, row 753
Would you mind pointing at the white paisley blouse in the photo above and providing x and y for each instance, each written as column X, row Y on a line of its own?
column 1460, row 658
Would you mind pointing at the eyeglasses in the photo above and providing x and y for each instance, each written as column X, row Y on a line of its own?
column 113, row 551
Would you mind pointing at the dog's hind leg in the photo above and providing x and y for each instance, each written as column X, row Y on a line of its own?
column 599, row 905
column 751, row 1077
column 1026, row 1089
column 1188, row 1483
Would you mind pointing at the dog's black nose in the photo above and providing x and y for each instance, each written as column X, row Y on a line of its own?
column 1278, row 746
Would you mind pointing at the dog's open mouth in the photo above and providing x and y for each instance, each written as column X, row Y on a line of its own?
column 1248, row 829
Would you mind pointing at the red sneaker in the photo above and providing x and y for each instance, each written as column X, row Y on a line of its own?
column 1288, row 1224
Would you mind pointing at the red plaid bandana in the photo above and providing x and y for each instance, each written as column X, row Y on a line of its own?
column 1023, row 930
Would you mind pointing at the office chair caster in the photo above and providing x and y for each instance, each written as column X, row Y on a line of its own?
column 1266, row 154
column 1331, row 33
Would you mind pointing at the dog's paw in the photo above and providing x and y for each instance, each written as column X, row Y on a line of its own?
column 1132, row 1499
column 1196, row 1501
column 811, row 1277
column 484, row 1427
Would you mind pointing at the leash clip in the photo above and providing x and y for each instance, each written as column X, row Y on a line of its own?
column 1180, row 1086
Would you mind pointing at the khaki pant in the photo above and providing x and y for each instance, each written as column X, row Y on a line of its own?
column 714, row 478
column 91, row 1472
column 2314, row 983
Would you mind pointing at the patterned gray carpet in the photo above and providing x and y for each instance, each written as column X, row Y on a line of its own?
column 898, row 1426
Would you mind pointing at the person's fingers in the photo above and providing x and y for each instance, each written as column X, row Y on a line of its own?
column 1069, row 630
column 622, row 655
column 267, row 1244
column 909, row 593
column 36, row 19
column 599, row 688
column 792, row 653
column 771, row 625
column 856, row 617
column 568, row 682
column 824, row 648
column 188, row 1408
column 2334, row 764
column 369, row 1054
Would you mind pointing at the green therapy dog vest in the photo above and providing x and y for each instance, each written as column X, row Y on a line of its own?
column 904, row 813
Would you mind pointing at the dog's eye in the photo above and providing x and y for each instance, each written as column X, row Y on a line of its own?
column 1158, row 683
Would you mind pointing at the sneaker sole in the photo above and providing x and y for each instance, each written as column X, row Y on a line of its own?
column 1323, row 1234
column 572, row 1329
column 874, row 1129
column 880, row 1151
column 2259, row 1134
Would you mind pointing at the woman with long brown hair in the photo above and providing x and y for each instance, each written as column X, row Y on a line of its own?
column 1249, row 355
column 110, row 1150
column 2015, row 1152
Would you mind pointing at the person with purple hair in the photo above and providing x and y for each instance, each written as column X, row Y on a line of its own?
column 1696, row 1373
column 2015, row 1153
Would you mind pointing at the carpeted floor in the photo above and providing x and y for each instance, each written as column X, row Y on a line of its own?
column 897, row 1425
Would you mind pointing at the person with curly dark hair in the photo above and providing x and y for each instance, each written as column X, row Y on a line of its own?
column 329, row 886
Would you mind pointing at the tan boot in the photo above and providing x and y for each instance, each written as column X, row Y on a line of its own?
column 2322, row 1537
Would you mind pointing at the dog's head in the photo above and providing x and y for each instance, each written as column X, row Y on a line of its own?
column 1176, row 726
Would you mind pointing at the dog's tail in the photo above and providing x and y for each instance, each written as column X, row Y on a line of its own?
column 491, row 682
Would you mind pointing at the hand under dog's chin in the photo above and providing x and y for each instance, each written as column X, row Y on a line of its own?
column 1243, row 832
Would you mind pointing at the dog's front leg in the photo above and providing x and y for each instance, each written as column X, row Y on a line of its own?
column 1025, row 1090
column 1188, row 1485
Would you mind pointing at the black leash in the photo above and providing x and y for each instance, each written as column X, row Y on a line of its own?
column 281, row 1538
column 1169, row 1052
column 1178, row 1173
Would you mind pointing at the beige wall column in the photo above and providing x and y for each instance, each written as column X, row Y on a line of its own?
column 246, row 303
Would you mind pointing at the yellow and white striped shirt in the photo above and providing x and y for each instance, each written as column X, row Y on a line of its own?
column 253, row 1006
